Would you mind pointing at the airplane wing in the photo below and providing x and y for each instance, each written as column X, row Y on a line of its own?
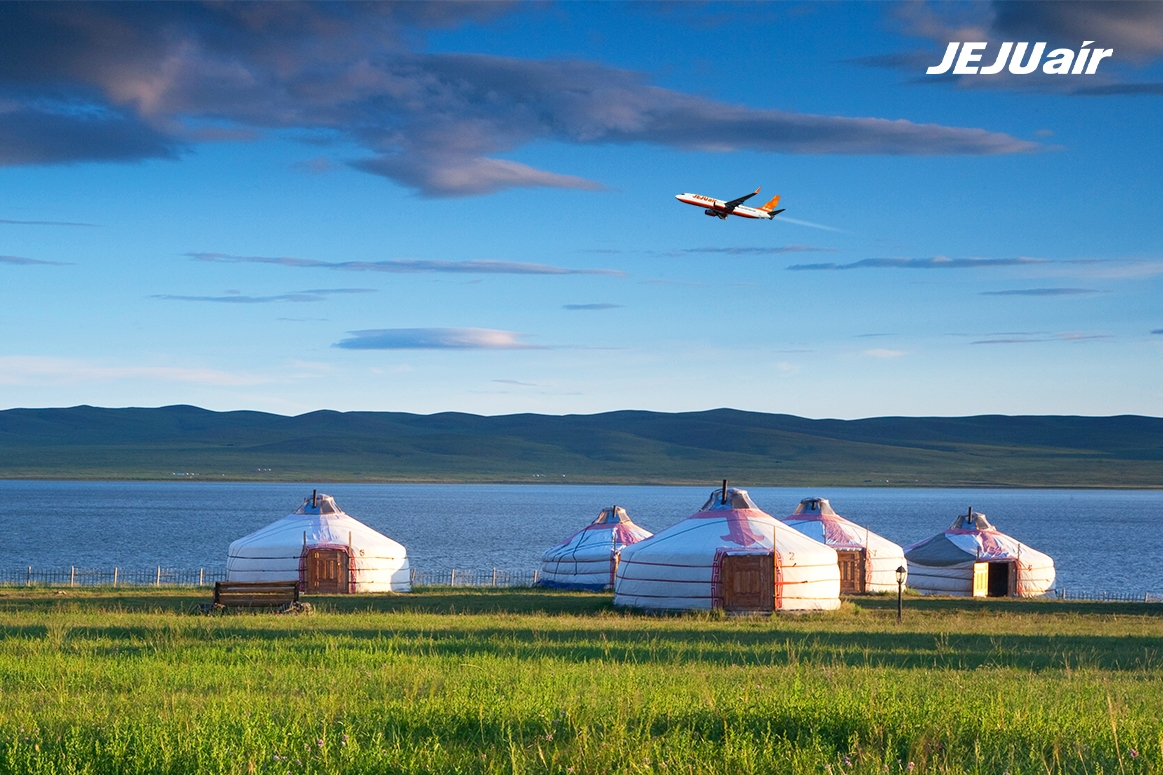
column 736, row 202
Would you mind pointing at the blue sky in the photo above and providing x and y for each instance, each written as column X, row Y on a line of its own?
column 441, row 207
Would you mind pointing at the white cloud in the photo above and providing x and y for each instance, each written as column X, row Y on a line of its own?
column 44, row 370
column 433, row 339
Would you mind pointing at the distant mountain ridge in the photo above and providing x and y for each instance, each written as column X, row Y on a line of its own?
column 614, row 447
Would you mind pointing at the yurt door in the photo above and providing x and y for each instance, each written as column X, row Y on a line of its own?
column 327, row 571
column 747, row 582
column 851, row 562
column 1000, row 584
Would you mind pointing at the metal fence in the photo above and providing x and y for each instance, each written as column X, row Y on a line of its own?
column 73, row 576
column 475, row 578
column 159, row 576
column 1118, row 597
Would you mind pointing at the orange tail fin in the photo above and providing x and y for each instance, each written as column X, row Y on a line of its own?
column 771, row 205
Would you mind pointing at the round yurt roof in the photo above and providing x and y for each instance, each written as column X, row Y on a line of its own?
column 319, row 522
column 971, row 538
column 729, row 521
column 612, row 530
column 816, row 518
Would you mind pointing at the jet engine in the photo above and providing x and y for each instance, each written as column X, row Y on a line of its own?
column 709, row 212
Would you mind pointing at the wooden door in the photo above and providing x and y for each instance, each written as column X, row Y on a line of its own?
column 852, row 571
column 980, row 579
column 327, row 571
column 747, row 582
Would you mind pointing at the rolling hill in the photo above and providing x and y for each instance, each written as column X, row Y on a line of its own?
column 752, row 448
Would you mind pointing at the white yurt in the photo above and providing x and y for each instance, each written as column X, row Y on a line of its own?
column 588, row 558
column 868, row 562
column 974, row 558
column 730, row 556
column 325, row 550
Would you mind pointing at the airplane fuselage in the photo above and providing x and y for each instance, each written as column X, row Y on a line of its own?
column 720, row 208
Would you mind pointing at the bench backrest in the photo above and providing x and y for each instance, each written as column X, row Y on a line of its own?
column 255, row 594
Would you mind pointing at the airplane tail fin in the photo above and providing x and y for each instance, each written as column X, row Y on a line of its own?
column 771, row 205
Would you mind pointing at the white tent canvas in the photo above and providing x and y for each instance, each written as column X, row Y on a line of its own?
column 324, row 549
column 868, row 562
column 974, row 558
column 588, row 558
column 730, row 556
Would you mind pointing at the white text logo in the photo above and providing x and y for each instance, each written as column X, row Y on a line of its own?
column 1059, row 62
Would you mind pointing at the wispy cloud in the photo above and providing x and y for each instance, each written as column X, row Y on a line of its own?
column 436, row 122
column 1110, row 269
column 405, row 265
column 936, row 262
column 434, row 339
column 591, row 306
column 1068, row 336
column 318, row 294
column 1157, row 331
column 761, row 251
column 43, row 223
column 872, row 336
column 41, row 370
column 515, row 382
column 22, row 261
column 1042, row 292
column 1130, row 28
column 882, row 353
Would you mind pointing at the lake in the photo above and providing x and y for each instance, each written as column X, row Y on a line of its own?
column 1101, row 540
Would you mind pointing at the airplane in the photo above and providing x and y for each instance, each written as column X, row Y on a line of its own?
column 721, row 209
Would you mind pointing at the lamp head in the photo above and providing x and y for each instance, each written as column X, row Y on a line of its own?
column 900, row 574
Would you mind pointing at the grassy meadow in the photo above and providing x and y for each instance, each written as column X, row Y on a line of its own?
column 523, row 681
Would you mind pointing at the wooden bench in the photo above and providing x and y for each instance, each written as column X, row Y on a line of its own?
column 257, row 594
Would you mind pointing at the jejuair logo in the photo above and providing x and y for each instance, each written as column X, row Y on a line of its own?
column 1060, row 61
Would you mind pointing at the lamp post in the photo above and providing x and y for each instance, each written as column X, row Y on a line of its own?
column 900, row 590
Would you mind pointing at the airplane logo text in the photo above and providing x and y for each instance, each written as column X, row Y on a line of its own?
column 1060, row 61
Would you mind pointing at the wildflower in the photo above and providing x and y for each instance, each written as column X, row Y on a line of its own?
column 345, row 738
column 319, row 743
column 569, row 770
column 847, row 762
column 549, row 736
column 913, row 766
column 1134, row 754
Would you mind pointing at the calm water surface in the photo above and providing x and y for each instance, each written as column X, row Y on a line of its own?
column 1105, row 540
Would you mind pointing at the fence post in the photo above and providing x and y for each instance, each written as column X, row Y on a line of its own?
column 159, row 576
column 28, row 581
column 494, row 575
column 200, row 576
column 453, row 582
column 72, row 574
column 115, row 575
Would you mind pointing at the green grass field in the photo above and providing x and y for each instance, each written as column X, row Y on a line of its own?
column 465, row 681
